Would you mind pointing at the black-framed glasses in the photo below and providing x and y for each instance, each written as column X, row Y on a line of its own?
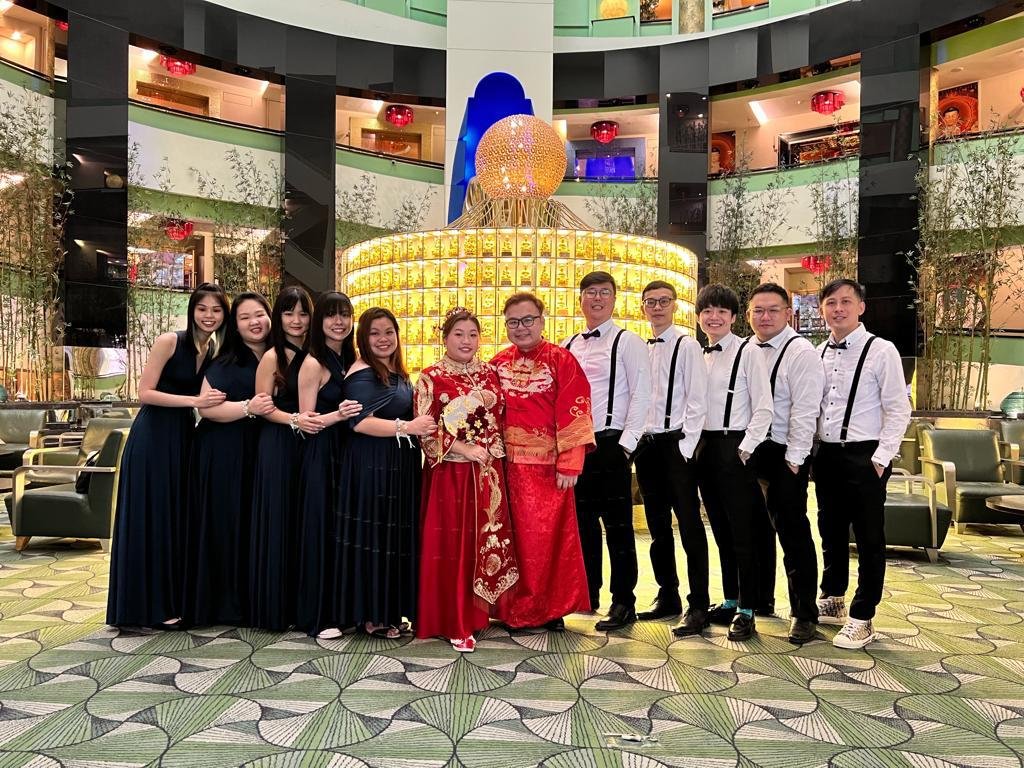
column 664, row 301
column 514, row 322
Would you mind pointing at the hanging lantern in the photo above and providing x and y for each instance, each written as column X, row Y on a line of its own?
column 177, row 67
column 398, row 115
column 604, row 131
column 816, row 265
column 827, row 102
column 178, row 229
column 1022, row 94
column 62, row 26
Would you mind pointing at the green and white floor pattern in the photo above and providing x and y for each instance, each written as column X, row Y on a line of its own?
column 943, row 687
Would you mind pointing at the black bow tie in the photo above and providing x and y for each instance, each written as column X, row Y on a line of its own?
column 840, row 345
column 763, row 344
column 594, row 334
column 654, row 341
column 713, row 348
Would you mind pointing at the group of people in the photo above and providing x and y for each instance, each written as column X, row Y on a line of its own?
column 323, row 490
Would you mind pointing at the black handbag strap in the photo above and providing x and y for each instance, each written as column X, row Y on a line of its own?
column 671, row 383
column 732, row 386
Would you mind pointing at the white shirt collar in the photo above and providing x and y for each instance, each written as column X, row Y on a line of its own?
column 854, row 338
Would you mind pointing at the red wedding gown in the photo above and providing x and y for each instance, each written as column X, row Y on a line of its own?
column 548, row 429
column 467, row 559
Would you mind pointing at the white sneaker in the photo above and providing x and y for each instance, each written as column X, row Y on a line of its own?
column 831, row 610
column 330, row 633
column 856, row 633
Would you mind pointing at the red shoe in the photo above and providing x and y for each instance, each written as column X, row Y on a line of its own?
column 465, row 645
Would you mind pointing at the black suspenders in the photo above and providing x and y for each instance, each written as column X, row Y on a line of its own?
column 611, row 375
column 778, row 362
column 853, row 388
column 732, row 386
column 671, row 383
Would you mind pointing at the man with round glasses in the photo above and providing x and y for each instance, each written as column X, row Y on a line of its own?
column 782, row 461
column 616, row 365
column 548, row 430
column 664, row 463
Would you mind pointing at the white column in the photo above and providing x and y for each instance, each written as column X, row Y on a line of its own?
column 484, row 36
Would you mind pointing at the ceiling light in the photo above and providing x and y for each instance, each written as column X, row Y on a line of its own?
column 759, row 113
column 5, row 5
column 148, row 55
column 16, row 34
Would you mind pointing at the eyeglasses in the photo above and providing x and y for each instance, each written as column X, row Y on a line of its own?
column 598, row 293
column 769, row 311
column 664, row 301
column 514, row 322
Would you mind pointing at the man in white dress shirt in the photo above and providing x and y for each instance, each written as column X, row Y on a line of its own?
column 665, row 470
column 739, row 414
column 782, row 462
column 618, row 369
column 864, row 413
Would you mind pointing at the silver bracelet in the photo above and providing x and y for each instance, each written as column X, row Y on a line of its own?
column 401, row 433
column 293, row 422
column 245, row 410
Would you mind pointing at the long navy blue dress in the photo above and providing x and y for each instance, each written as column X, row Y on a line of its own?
column 378, row 509
column 318, row 487
column 147, row 556
column 220, row 512
column 275, row 512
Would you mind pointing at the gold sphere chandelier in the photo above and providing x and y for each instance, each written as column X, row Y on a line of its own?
column 508, row 241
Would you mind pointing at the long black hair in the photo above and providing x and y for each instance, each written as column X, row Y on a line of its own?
column 200, row 293
column 286, row 301
column 234, row 350
column 328, row 305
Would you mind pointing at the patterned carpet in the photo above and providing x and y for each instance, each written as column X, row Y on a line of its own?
column 944, row 687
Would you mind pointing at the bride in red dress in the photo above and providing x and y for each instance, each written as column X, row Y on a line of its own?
column 467, row 558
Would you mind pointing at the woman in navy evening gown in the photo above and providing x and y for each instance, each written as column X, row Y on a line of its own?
column 331, row 352
column 223, row 458
column 275, row 493
column 146, row 562
column 379, row 485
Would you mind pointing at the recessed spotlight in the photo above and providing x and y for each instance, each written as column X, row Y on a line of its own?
column 16, row 35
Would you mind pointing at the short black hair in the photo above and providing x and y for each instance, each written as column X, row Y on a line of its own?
column 842, row 282
column 597, row 278
column 775, row 288
column 523, row 296
column 951, row 108
column 717, row 295
column 656, row 285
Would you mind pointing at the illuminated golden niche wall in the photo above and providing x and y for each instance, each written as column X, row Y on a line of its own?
column 421, row 276
column 512, row 237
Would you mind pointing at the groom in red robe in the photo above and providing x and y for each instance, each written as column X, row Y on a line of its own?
column 548, row 430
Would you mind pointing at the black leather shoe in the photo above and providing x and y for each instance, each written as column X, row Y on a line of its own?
column 768, row 609
column 555, row 625
column 719, row 614
column 662, row 609
column 619, row 616
column 693, row 623
column 742, row 628
column 801, row 631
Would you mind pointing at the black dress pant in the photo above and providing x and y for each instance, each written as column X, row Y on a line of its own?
column 669, row 483
column 732, row 500
column 850, row 493
column 786, row 502
column 604, row 495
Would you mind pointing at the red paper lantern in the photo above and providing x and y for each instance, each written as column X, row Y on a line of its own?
column 604, row 131
column 62, row 26
column 827, row 102
column 178, row 229
column 1022, row 94
column 177, row 67
column 816, row 265
column 398, row 115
